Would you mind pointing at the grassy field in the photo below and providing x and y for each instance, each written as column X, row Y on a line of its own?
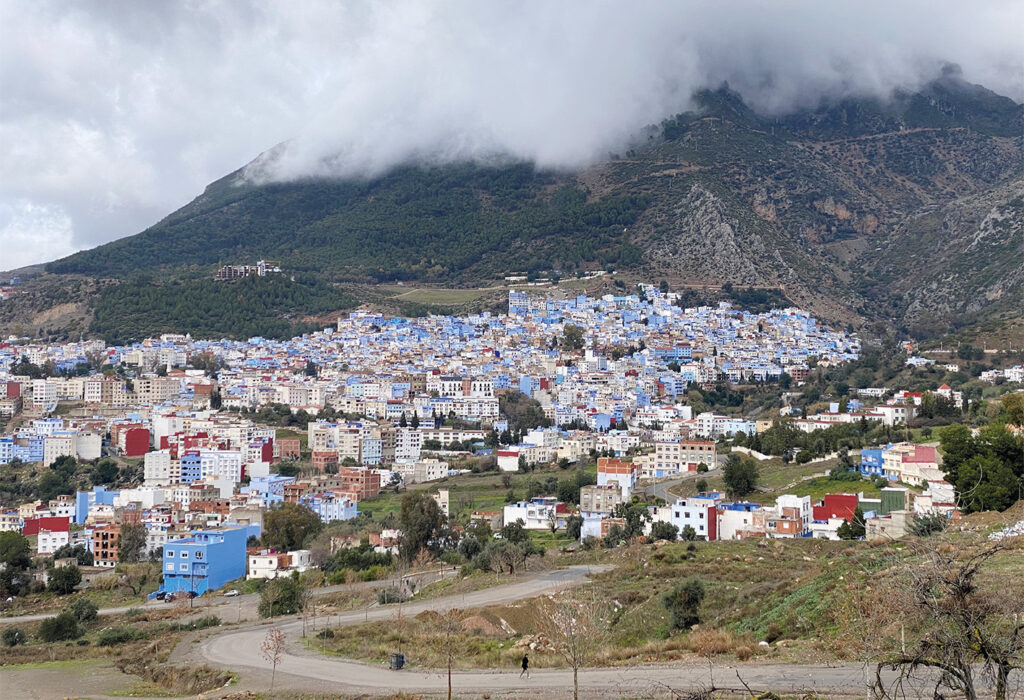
column 471, row 492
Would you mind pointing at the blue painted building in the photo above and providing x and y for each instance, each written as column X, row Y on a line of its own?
column 206, row 560
column 86, row 499
column 871, row 462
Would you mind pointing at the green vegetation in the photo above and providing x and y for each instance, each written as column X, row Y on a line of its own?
column 987, row 471
column 283, row 596
column 683, row 603
column 740, row 476
column 253, row 306
column 413, row 223
column 288, row 526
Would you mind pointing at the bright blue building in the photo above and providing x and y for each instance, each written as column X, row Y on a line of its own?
column 871, row 462
column 86, row 499
column 206, row 560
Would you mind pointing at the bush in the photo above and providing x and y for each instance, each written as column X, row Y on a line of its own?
column 683, row 603
column 197, row 624
column 743, row 653
column 391, row 595
column 325, row 634
column 83, row 609
column 63, row 579
column 118, row 635
column 13, row 636
column 662, row 530
column 60, row 628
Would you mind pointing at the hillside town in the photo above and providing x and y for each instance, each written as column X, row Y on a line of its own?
column 376, row 404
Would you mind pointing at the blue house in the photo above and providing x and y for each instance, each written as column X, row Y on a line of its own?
column 86, row 499
column 206, row 560
column 871, row 462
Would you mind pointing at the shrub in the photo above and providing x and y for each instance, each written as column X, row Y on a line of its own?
column 683, row 602
column 83, row 609
column 743, row 653
column 61, row 627
column 391, row 595
column 200, row 623
column 118, row 635
column 13, row 636
column 63, row 579
column 662, row 530
column 325, row 634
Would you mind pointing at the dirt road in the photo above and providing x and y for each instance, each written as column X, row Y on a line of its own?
column 305, row 671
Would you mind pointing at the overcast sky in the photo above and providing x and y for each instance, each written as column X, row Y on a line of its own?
column 113, row 114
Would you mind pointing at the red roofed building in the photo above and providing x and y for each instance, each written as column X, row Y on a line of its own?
column 836, row 505
column 32, row 526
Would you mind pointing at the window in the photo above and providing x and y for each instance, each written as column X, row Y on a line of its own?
column 170, row 552
column 170, row 567
column 199, row 555
column 184, row 555
column 183, row 567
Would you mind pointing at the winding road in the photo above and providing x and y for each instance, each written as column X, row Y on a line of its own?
column 302, row 670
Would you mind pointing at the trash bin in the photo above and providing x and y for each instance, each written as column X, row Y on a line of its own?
column 397, row 661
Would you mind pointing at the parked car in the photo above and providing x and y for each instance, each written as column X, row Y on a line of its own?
column 232, row 593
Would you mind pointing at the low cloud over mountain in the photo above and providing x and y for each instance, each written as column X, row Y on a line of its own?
column 112, row 114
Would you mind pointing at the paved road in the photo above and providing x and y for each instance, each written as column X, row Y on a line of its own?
column 305, row 671
column 216, row 600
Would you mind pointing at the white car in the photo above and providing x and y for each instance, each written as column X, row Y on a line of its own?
column 232, row 593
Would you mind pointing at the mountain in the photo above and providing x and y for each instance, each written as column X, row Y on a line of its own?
column 904, row 211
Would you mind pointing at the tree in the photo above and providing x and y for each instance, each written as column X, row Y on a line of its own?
column 635, row 515
column 740, row 476
column 450, row 625
column 14, row 550
column 282, row 596
column 421, row 522
column 701, row 485
column 61, row 627
column 986, row 470
column 131, row 543
column 134, row 577
column 63, row 579
column 683, row 603
column 574, row 526
column 688, row 534
column 104, row 472
column 273, row 651
column 415, row 422
column 663, row 530
column 288, row 526
column 852, row 529
column 83, row 609
column 959, row 616
column 576, row 625
column 572, row 337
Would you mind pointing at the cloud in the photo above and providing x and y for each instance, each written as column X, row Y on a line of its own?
column 115, row 113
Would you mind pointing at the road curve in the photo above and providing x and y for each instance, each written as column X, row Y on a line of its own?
column 239, row 650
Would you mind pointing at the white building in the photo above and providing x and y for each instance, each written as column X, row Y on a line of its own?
column 537, row 514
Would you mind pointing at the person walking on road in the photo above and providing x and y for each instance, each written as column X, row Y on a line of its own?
column 526, row 666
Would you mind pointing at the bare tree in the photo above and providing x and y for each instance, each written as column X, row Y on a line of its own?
column 273, row 651
column 961, row 611
column 450, row 625
column 575, row 624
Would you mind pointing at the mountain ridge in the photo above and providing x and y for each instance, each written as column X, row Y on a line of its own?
column 826, row 204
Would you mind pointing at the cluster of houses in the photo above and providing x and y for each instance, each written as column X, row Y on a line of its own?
column 711, row 517
column 397, row 399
